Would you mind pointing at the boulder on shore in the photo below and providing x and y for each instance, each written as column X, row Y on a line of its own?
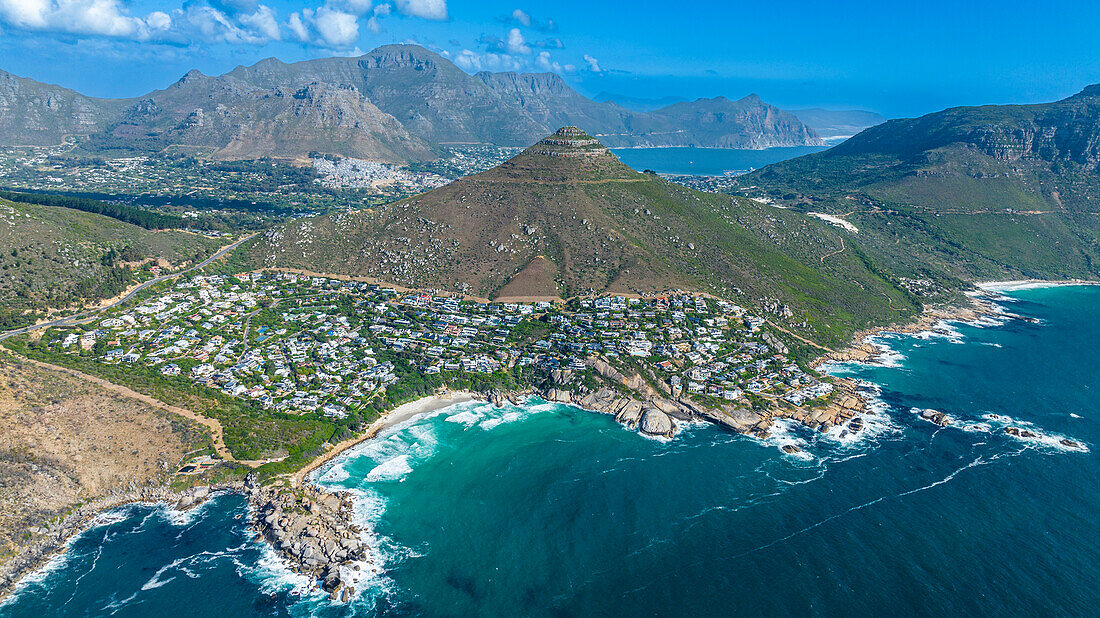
column 657, row 423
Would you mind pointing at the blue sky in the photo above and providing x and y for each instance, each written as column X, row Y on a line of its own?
column 897, row 59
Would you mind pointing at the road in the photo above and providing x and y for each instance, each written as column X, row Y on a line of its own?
column 73, row 319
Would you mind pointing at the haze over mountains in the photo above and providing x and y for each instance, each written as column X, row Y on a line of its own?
column 396, row 103
column 833, row 126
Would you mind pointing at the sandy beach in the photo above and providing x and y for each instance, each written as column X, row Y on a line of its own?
column 398, row 415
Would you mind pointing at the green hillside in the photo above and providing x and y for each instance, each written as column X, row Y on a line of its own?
column 993, row 192
column 56, row 257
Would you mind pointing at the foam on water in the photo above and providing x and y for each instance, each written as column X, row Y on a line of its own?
column 784, row 432
column 887, row 356
column 393, row 469
column 466, row 417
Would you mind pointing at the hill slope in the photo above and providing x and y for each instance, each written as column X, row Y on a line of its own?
column 55, row 256
column 1003, row 192
column 566, row 218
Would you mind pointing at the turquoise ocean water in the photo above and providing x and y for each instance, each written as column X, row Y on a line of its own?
column 707, row 161
column 549, row 510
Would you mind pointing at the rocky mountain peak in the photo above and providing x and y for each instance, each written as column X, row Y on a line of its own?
column 569, row 154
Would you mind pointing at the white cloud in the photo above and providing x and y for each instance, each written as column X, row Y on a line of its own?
column 326, row 26
column 374, row 25
column 472, row 62
column 426, row 9
column 207, row 24
column 593, row 64
column 358, row 7
column 525, row 19
column 159, row 21
column 263, row 23
column 544, row 62
column 102, row 17
column 195, row 23
column 382, row 10
column 298, row 27
column 516, row 44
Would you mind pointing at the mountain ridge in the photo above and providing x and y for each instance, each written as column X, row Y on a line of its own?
column 993, row 192
column 396, row 103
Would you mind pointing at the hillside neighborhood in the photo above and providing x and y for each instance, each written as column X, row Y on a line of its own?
column 302, row 344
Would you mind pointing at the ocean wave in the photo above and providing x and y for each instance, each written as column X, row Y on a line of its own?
column 510, row 416
column 466, row 417
column 184, row 518
column 887, row 357
column 273, row 575
column 783, row 432
column 393, row 469
column 38, row 578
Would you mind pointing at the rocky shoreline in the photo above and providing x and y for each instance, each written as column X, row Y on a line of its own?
column 314, row 532
column 311, row 529
column 864, row 350
column 658, row 412
column 54, row 538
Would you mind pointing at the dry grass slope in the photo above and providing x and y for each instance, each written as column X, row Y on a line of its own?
column 64, row 441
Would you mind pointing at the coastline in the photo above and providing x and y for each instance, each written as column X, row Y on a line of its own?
column 398, row 415
column 39, row 554
column 982, row 305
column 1030, row 284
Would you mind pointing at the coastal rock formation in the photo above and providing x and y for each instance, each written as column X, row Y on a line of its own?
column 655, row 413
column 657, row 423
column 313, row 530
column 935, row 416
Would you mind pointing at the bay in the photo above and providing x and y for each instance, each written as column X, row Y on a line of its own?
column 550, row 510
column 707, row 161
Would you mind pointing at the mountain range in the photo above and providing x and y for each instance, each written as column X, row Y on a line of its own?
column 833, row 126
column 994, row 192
column 395, row 103
column 907, row 212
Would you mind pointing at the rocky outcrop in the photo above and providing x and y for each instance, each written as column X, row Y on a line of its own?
column 656, row 413
column 935, row 416
column 314, row 531
column 657, row 423
column 774, row 343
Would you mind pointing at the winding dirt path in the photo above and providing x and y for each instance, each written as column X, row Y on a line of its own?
column 212, row 424
column 799, row 337
column 831, row 254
